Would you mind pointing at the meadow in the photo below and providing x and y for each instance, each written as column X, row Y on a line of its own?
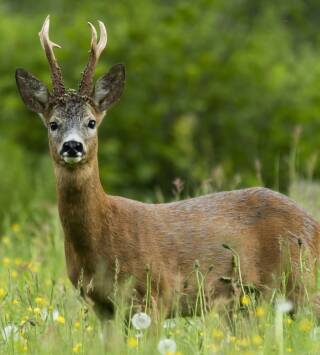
column 41, row 312
column 208, row 99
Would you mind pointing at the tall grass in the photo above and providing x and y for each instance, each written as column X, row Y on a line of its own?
column 41, row 313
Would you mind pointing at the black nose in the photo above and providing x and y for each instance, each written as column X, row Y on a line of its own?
column 72, row 148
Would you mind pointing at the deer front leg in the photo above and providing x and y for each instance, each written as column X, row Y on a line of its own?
column 111, row 335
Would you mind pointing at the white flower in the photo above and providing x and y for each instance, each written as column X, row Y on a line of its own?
column 284, row 306
column 55, row 314
column 44, row 314
column 10, row 331
column 141, row 321
column 315, row 334
column 169, row 323
column 167, row 346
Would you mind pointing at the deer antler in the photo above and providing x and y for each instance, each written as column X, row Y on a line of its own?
column 97, row 48
column 48, row 45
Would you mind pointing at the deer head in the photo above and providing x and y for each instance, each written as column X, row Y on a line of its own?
column 72, row 116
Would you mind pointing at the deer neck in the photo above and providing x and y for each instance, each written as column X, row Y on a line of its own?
column 82, row 205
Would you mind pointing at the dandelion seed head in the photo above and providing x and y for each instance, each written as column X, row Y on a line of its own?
column 169, row 324
column 166, row 346
column 284, row 306
column 141, row 321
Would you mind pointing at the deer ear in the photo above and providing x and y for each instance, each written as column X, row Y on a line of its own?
column 34, row 93
column 108, row 89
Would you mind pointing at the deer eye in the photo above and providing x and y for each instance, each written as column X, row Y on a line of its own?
column 92, row 124
column 53, row 126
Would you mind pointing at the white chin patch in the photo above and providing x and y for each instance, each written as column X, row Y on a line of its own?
column 72, row 160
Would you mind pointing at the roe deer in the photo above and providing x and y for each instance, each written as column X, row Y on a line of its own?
column 108, row 237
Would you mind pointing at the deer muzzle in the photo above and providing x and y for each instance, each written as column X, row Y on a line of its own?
column 72, row 152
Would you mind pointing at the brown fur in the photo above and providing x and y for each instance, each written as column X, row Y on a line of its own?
column 102, row 231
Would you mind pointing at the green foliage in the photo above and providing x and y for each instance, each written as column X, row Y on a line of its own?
column 210, row 85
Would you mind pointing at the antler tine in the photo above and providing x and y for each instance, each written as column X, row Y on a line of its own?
column 103, row 38
column 48, row 45
column 97, row 48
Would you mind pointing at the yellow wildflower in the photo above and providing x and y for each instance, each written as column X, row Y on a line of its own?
column 36, row 310
column 6, row 240
column 132, row 342
column 29, row 309
column 77, row 348
column 243, row 342
column 34, row 267
column 23, row 348
column 23, row 321
column 77, row 325
column 2, row 292
column 245, row 300
column 260, row 312
column 14, row 274
column 6, row 261
column 16, row 227
column 288, row 321
column 40, row 300
column 289, row 350
column 89, row 329
column 17, row 261
column 257, row 340
column 305, row 325
column 217, row 333
column 60, row 319
column 213, row 347
column 14, row 302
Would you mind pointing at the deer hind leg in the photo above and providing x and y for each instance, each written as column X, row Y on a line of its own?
column 302, row 280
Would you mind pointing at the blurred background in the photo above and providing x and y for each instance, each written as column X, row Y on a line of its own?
column 220, row 94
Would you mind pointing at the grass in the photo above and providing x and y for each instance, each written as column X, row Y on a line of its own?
column 41, row 313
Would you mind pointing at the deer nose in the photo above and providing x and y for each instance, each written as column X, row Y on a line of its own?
column 72, row 149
